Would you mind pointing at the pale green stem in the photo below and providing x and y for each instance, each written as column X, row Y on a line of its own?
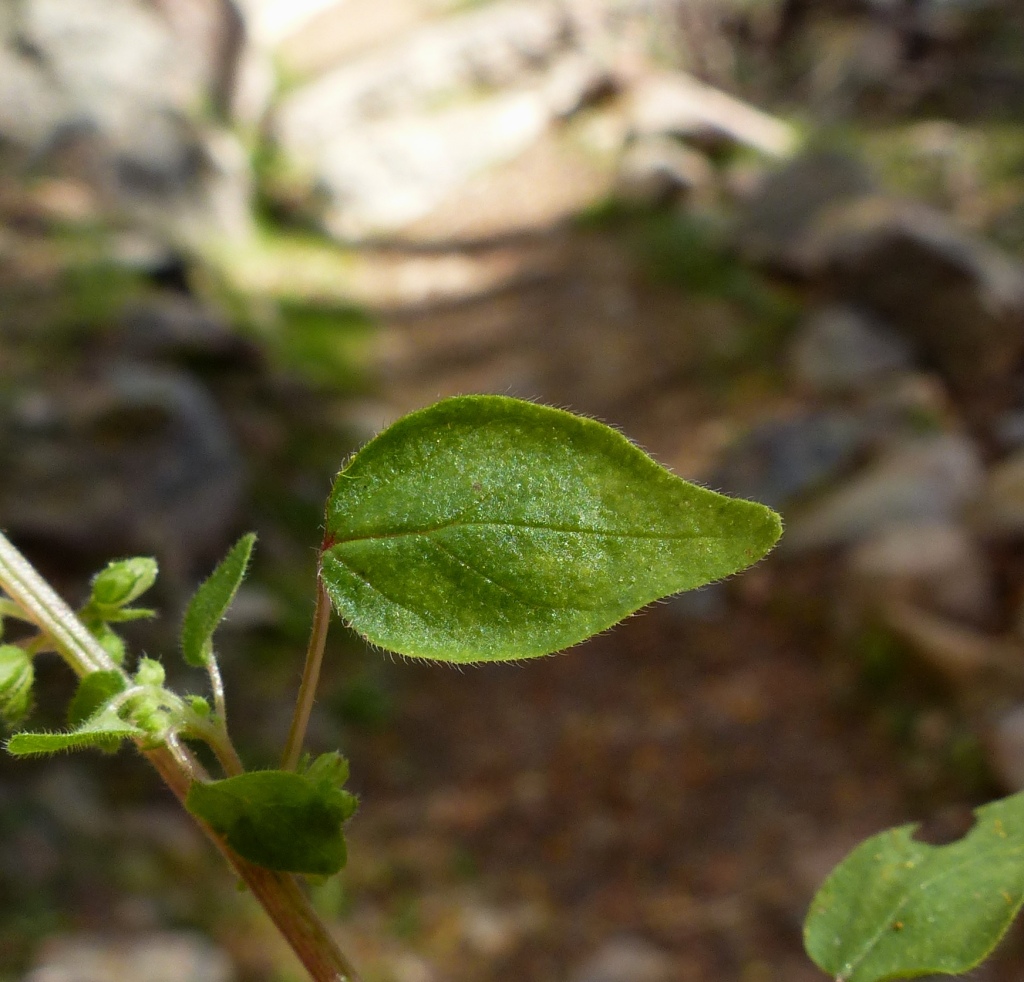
column 50, row 614
column 310, row 677
column 217, row 688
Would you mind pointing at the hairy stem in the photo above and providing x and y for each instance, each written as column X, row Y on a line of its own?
column 49, row 613
column 279, row 894
column 310, row 677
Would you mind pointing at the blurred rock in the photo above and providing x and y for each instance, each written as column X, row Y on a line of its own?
column 656, row 170
column 841, row 349
column 680, row 106
column 1005, row 744
column 626, row 959
column 175, row 326
column 959, row 300
column 136, row 461
column 776, row 225
column 928, row 479
column 958, row 652
column 782, row 459
column 385, row 138
column 159, row 957
column 1000, row 510
column 106, row 90
column 937, row 565
column 385, row 174
column 578, row 80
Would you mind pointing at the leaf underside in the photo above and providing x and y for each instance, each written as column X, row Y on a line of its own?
column 485, row 528
column 897, row 908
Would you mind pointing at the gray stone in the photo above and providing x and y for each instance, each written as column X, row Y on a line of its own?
column 782, row 459
column 675, row 104
column 140, row 460
column 656, row 170
column 841, row 349
column 110, row 90
column 957, row 299
column 626, row 959
column 776, row 225
column 166, row 956
column 928, row 479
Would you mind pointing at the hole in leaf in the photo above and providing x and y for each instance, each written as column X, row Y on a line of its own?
column 948, row 826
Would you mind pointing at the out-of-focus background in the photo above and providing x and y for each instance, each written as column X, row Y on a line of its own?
column 777, row 242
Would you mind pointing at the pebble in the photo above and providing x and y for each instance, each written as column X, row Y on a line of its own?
column 626, row 959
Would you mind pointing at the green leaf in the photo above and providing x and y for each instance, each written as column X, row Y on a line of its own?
column 485, row 529
column 123, row 581
column 897, row 908
column 17, row 675
column 209, row 605
column 278, row 819
column 103, row 732
column 94, row 691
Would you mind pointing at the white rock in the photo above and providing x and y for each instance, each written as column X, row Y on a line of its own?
column 385, row 174
column 656, row 169
column 678, row 105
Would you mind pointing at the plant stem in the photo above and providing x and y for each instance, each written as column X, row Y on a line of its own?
column 288, row 907
column 310, row 677
column 279, row 894
column 49, row 613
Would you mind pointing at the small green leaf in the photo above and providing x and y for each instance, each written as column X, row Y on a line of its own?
column 211, row 601
column 103, row 732
column 16, row 678
column 278, row 819
column 94, row 691
column 897, row 908
column 123, row 581
column 485, row 529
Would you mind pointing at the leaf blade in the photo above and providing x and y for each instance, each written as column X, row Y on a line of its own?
column 211, row 601
column 899, row 908
column 280, row 820
column 487, row 528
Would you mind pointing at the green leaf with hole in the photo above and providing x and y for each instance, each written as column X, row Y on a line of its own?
column 485, row 528
column 17, row 676
column 897, row 908
column 278, row 819
column 211, row 602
